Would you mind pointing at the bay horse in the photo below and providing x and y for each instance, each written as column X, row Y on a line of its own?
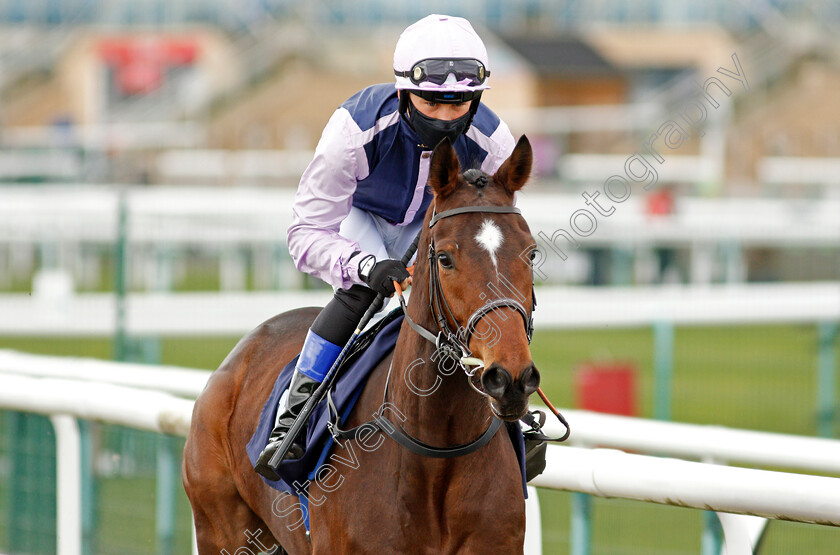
column 387, row 499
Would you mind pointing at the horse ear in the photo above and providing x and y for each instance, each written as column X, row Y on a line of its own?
column 514, row 173
column 444, row 169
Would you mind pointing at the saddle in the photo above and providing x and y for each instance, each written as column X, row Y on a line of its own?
column 372, row 346
column 323, row 429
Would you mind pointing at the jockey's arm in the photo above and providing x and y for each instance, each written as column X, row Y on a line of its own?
column 322, row 202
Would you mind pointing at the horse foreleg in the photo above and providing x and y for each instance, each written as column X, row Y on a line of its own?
column 224, row 523
column 235, row 532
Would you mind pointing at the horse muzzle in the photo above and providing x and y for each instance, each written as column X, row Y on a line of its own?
column 510, row 396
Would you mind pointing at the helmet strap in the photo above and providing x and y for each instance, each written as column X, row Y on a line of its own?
column 473, row 109
column 404, row 100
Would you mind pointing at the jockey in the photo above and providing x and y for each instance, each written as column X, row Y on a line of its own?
column 362, row 199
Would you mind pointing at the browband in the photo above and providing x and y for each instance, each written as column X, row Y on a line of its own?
column 467, row 209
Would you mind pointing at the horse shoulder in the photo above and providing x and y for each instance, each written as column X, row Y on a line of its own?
column 216, row 471
column 364, row 471
column 252, row 365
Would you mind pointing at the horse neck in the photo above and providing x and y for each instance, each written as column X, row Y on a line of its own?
column 440, row 409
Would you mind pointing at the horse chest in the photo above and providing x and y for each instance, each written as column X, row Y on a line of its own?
column 412, row 511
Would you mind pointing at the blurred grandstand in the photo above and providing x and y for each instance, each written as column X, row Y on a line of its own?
column 235, row 94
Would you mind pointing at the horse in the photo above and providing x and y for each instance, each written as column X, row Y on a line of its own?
column 474, row 245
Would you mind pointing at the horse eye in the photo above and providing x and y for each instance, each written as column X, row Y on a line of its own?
column 533, row 254
column 445, row 260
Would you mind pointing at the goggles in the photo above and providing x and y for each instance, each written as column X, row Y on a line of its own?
column 448, row 97
column 437, row 70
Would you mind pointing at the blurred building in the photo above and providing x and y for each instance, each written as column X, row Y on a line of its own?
column 123, row 76
column 568, row 71
column 790, row 140
column 589, row 79
column 213, row 92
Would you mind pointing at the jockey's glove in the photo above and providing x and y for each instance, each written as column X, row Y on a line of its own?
column 380, row 276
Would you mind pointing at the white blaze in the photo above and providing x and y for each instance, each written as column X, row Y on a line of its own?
column 489, row 237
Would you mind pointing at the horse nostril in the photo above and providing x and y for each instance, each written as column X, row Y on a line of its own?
column 530, row 380
column 495, row 381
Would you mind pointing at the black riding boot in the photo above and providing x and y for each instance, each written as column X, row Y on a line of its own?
column 300, row 390
column 324, row 341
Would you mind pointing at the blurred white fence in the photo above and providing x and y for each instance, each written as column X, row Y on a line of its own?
column 793, row 170
column 213, row 216
column 229, row 166
column 209, row 314
column 74, row 228
column 53, row 165
column 102, row 137
column 597, row 168
column 777, row 495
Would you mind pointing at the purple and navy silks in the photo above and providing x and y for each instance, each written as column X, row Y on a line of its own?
column 369, row 157
column 346, row 392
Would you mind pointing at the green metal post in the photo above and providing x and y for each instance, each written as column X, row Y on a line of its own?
column 733, row 256
column 712, row 534
column 581, row 533
column 621, row 266
column 663, row 340
column 281, row 261
column 121, row 346
column 165, row 501
column 32, row 492
column 49, row 256
column 826, row 409
column 88, row 490
column 164, row 272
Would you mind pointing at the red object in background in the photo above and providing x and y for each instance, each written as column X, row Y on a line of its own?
column 139, row 62
column 139, row 77
column 660, row 203
column 607, row 387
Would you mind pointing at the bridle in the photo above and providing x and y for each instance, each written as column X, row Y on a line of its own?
column 455, row 343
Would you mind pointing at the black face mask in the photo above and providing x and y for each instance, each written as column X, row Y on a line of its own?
column 432, row 131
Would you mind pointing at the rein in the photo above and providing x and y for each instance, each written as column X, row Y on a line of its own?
column 454, row 344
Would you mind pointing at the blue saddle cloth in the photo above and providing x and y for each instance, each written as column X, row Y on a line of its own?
column 376, row 344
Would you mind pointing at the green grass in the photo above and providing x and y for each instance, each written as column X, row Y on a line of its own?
column 126, row 517
column 753, row 377
column 756, row 377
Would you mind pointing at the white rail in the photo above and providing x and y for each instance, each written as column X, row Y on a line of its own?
column 701, row 442
column 590, row 429
column 64, row 401
column 612, row 473
column 216, row 314
column 218, row 217
column 190, row 314
column 187, row 382
column 608, row 473
column 785, row 170
column 145, row 410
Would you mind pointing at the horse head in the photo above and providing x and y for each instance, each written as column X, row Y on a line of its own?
column 480, row 273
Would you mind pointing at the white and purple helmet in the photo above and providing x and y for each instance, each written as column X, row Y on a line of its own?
column 441, row 59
